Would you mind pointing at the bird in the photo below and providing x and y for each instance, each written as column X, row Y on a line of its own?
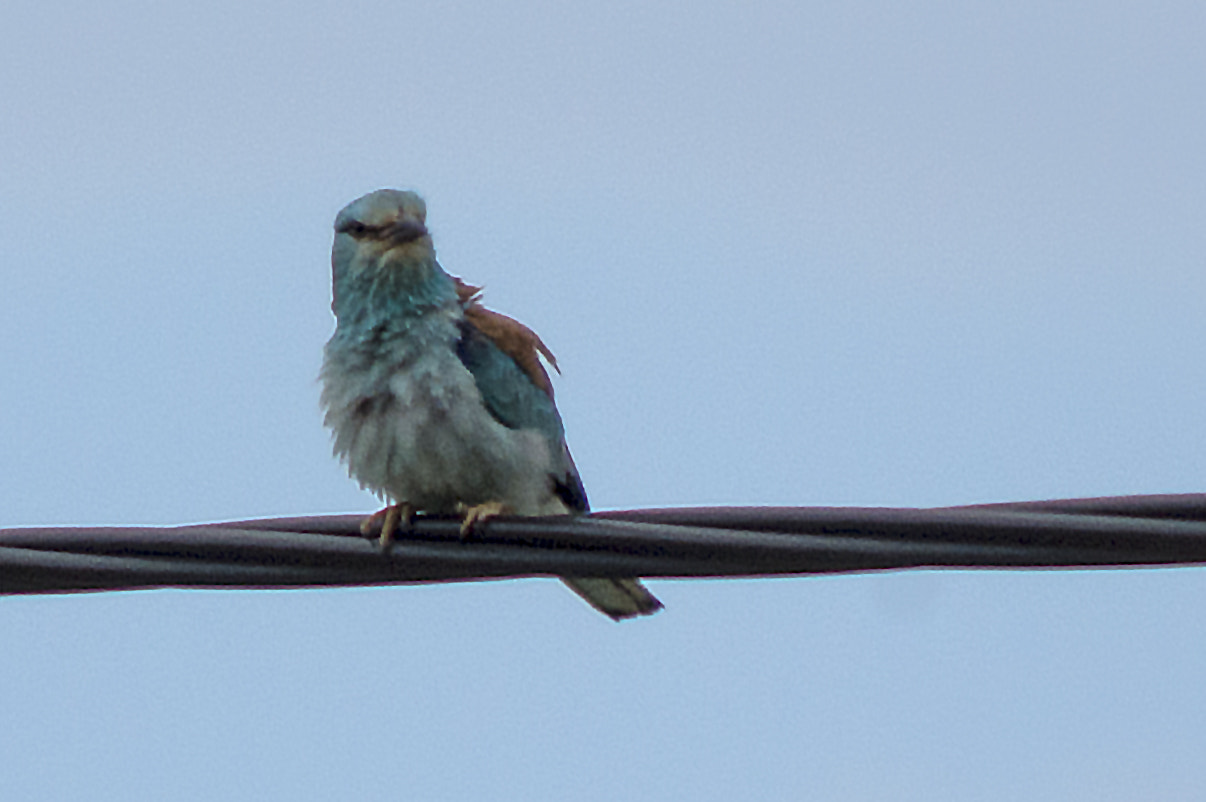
column 436, row 403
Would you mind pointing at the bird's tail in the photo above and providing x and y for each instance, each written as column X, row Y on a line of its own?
column 618, row 598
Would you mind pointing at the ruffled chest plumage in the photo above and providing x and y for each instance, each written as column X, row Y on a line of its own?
column 410, row 421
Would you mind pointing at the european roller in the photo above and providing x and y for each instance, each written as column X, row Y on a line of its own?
column 436, row 403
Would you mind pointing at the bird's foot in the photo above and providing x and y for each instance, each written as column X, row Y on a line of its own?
column 391, row 519
column 479, row 513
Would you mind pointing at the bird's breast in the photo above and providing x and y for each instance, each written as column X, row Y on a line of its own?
column 411, row 425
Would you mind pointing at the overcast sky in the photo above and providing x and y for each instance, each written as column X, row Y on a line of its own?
column 859, row 253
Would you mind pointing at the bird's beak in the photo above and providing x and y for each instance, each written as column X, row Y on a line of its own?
column 406, row 230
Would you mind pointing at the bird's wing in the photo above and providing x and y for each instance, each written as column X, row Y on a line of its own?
column 504, row 357
column 509, row 335
column 500, row 353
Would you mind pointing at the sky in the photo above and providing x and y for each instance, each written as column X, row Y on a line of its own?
column 865, row 253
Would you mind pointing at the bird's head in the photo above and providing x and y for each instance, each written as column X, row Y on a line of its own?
column 383, row 227
column 383, row 261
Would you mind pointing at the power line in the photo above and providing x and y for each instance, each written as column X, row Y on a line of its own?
column 323, row 551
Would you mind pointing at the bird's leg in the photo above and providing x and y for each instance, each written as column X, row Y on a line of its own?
column 479, row 513
column 390, row 518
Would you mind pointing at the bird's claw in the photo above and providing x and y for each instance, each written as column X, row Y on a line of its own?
column 479, row 513
column 391, row 519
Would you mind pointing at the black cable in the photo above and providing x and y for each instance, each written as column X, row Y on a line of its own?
column 680, row 542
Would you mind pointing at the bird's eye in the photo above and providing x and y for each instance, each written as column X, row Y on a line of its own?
column 354, row 227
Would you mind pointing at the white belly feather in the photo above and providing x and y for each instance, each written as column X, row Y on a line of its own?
column 411, row 425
